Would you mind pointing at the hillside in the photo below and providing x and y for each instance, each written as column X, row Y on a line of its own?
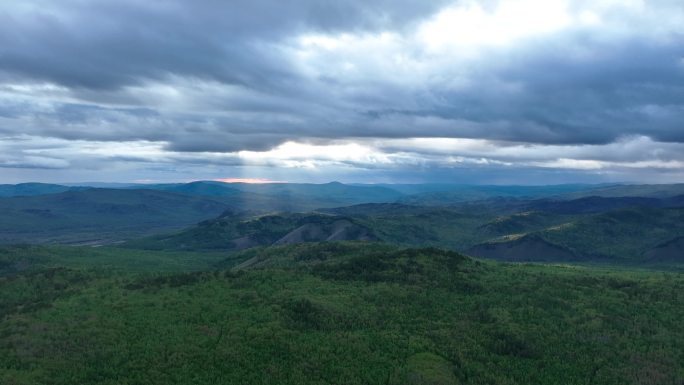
column 336, row 193
column 597, row 204
column 627, row 235
column 99, row 215
column 280, row 196
column 521, row 223
column 528, row 248
column 283, row 196
column 586, row 229
column 389, row 222
column 631, row 190
column 236, row 232
column 600, row 229
column 351, row 313
column 32, row 189
column 620, row 229
column 619, row 234
column 207, row 188
column 442, row 194
column 669, row 251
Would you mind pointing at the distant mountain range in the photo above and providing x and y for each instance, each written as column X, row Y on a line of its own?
column 439, row 194
column 612, row 231
column 513, row 223
column 99, row 215
column 31, row 189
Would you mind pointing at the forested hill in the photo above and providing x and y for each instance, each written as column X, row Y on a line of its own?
column 352, row 313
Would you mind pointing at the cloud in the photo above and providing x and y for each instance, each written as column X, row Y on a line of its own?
column 355, row 85
column 111, row 44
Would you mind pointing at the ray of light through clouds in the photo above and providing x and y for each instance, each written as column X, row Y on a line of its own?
column 488, row 91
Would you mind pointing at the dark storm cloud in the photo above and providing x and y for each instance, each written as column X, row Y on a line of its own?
column 619, row 88
column 221, row 77
column 635, row 87
column 108, row 44
column 225, row 142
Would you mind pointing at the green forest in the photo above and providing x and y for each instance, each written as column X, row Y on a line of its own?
column 331, row 313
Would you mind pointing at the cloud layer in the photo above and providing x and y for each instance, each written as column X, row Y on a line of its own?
column 400, row 90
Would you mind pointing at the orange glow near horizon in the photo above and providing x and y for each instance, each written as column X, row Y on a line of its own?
column 247, row 180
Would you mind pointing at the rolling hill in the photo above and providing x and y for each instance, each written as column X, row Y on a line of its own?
column 63, row 214
column 527, row 248
column 236, row 232
column 669, row 251
column 597, row 204
column 32, row 189
column 586, row 229
column 632, row 234
column 631, row 190
column 513, row 228
column 281, row 196
column 99, row 215
column 334, row 312
column 444, row 194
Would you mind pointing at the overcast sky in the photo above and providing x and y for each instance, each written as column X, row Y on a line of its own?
column 483, row 91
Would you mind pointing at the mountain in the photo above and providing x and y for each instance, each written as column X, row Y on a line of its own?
column 393, row 223
column 308, row 196
column 371, row 293
column 668, row 251
column 32, row 189
column 599, row 229
column 106, row 185
column 235, row 232
column 440, row 195
column 333, row 193
column 266, row 196
column 100, row 215
column 590, row 228
column 54, row 213
column 283, row 196
column 631, row 190
column 592, row 204
column 567, row 231
column 521, row 223
column 528, row 248
column 595, row 204
column 410, row 225
column 619, row 234
column 196, row 188
column 627, row 235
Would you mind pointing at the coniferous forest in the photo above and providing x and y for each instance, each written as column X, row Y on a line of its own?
column 340, row 312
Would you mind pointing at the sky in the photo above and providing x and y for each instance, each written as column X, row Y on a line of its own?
column 386, row 91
